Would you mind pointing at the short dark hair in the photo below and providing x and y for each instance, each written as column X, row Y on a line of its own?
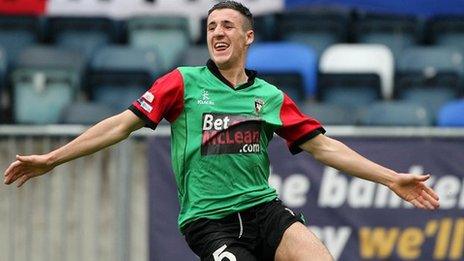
column 237, row 7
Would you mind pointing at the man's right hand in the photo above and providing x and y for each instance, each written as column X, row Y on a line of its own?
column 26, row 167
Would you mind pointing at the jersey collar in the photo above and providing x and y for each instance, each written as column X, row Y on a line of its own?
column 215, row 71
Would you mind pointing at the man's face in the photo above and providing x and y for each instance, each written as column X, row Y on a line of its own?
column 227, row 38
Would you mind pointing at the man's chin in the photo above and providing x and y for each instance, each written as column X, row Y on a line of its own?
column 222, row 62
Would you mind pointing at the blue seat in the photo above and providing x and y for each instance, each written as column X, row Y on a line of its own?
column 120, row 74
column 169, row 34
column 318, row 28
column 395, row 31
column 283, row 58
column 452, row 114
column 45, row 81
column 331, row 114
column 395, row 113
column 17, row 33
column 84, row 34
column 85, row 113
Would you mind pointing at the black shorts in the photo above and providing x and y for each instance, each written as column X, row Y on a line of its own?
column 253, row 234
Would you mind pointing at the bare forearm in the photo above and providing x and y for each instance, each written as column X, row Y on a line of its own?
column 99, row 136
column 337, row 155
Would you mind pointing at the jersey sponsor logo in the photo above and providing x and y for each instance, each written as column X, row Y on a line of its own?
column 205, row 100
column 147, row 107
column 230, row 134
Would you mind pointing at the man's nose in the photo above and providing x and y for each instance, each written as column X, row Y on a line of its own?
column 218, row 31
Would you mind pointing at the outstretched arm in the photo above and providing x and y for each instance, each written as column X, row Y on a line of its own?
column 99, row 136
column 337, row 155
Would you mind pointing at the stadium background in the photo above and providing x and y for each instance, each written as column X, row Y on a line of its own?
column 74, row 62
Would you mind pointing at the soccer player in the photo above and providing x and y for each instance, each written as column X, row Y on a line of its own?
column 222, row 118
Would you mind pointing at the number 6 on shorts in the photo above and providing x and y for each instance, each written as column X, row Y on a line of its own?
column 220, row 254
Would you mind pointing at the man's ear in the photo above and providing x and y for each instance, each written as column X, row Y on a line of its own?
column 250, row 37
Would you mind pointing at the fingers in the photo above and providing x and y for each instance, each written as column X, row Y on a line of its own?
column 422, row 178
column 418, row 204
column 431, row 192
column 24, row 158
column 11, row 168
column 17, row 169
column 23, row 179
column 429, row 200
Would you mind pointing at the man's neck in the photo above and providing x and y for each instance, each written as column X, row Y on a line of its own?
column 235, row 75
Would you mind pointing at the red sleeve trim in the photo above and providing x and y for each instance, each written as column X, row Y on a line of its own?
column 165, row 99
column 297, row 127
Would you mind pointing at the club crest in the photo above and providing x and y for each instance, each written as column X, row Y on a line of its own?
column 259, row 103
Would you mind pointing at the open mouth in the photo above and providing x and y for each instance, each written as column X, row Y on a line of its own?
column 220, row 46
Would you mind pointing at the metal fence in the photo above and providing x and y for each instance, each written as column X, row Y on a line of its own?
column 93, row 208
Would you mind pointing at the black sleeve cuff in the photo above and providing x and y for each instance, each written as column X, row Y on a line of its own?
column 148, row 123
column 295, row 147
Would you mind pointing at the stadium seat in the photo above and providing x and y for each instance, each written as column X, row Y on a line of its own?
column 285, row 60
column 395, row 31
column 3, row 71
column 120, row 74
column 318, row 28
column 349, row 90
column 45, row 81
column 196, row 55
column 17, row 33
column 170, row 35
column 452, row 114
column 331, row 114
column 3, row 68
column 429, row 75
column 446, row 31
column 356, row 64
column 395, row 113
column 85, row 113
column 84, row 34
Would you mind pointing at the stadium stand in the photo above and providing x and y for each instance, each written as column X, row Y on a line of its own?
column 84, row 34
column 446, row 31
column 395, row 113
column 285, row 62
column 303, row 51
column 355, row 59
column 331, row 114
column 86, row 113
column 430, row 76
column 395, row 31
column 317, row 28
column 3, row 67
column 46, row 79
column 349, row 90
column 17, row 33
column 120, row 74
column 3, row 72
column 196, row 55
column 452, row 114
column 170, row 35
